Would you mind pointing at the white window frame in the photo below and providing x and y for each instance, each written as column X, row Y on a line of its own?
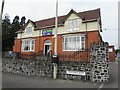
column 24, row 44
column 110, row 50
column 68, row 37
column 28, row 29
column 71, row 26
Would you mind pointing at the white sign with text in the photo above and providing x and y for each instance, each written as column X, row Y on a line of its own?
column 76, row 73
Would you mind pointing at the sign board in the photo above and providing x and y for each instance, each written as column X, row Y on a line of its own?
column 76, row 73
column 46, row 32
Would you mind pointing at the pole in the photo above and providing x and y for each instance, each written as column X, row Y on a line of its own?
column 1, row 25
column 1, row 17
column 55, row 47
column 1, row 39
column 86, row 42
column 56, row 22
column 2, row 8
column 39, row 43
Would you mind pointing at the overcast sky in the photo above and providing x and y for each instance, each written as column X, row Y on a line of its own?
column 43, row 9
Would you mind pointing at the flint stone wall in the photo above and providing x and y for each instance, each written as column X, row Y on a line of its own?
column 73, row 66
column 97, row 70
column 40, row 67
column 99, row 62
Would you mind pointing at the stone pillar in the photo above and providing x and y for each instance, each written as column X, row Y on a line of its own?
column 99, row 62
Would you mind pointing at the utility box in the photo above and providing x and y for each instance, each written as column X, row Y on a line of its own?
column 55, row 59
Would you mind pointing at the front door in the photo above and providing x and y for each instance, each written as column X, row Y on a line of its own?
column 47, row 46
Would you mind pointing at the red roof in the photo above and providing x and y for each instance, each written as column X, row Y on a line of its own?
column 86, row 15
column 111, row 46
column 48, row 22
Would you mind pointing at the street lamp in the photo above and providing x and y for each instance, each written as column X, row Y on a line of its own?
column 56, row 22
column 55, row 57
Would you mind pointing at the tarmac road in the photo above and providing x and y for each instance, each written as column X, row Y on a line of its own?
column 20, row 81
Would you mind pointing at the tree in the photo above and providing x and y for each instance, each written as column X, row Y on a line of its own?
column 22, row 23
column 9, row 31
column 117, row 50
column 15, row 26
column 6, row 28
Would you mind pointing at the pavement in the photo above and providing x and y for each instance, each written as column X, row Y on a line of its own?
column 10, row 80
column 113, row 72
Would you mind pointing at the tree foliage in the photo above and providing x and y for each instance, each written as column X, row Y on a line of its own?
column 9, row 31
column 6, row 28
column 117, row 50
column 22, row 21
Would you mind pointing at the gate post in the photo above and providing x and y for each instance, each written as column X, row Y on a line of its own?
column 55, row 62
column 54, row 70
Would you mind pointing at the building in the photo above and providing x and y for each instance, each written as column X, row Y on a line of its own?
column 112, row 55
column 75, row 33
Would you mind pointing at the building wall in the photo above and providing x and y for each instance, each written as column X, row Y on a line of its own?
column 91, row 26
column 112, row 54
column 35, row 33
column 93, row 36
column 17, row 46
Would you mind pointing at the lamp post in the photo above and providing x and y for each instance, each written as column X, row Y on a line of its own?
column 56, row 22
column 55, row 57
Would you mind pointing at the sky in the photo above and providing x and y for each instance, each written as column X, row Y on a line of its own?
column 43, row 9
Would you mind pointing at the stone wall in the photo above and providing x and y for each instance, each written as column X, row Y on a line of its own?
column 41, row 67
column 97, row 70
column 99, row 62
column 65, row 66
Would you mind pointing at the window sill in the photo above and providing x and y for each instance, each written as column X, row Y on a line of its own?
column 73, row 50
column 27, row 51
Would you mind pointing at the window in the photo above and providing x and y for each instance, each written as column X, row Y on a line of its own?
column 73, row 24
column 28, row 45
column 73, row 43
column 28, row 32
column 110, row 49
column 82, row 43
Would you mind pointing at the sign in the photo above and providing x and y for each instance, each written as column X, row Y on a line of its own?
column 46, row 32
column 76, row 73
